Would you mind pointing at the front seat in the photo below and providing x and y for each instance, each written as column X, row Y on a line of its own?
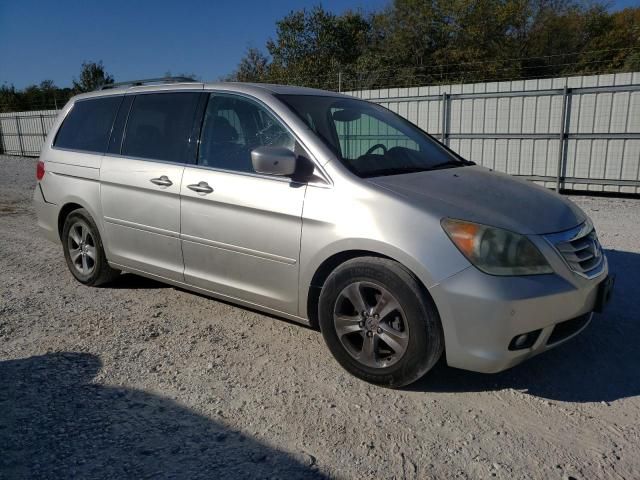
column 221, row 147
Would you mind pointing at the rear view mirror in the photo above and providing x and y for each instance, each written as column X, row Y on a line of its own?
column 346, row 115
column 274, row 161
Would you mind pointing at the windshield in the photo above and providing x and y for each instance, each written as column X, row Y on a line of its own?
column 370, row 140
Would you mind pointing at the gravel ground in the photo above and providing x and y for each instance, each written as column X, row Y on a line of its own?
column 140, row 380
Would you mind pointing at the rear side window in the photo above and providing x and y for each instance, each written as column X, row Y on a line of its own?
column 159, row 126
column 88, row 125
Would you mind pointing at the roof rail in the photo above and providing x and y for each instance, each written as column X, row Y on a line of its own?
column 148, row 81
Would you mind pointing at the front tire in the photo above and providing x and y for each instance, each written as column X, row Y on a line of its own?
column 83, row 250
column 379, row 322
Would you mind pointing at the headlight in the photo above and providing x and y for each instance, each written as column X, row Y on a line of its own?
column 494, row 250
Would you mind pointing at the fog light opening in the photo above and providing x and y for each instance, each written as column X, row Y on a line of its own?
column 524, row 340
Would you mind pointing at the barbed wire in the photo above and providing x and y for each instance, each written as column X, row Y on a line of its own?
column 416, row 84
column 433, row 79
column 444, row 73
column 413, row 68
column 515, row 59
column 415, row 75
column 511, row 76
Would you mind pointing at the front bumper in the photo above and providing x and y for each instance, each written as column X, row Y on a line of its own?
column 481, row 314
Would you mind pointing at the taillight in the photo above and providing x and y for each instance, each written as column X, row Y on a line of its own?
column 40, row 170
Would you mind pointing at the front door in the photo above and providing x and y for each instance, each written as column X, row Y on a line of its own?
column 241, row 231
column 140, row 183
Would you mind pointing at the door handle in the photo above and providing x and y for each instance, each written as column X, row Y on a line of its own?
column 202, row 187
column 163, row 181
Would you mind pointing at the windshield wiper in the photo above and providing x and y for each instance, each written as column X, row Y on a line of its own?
column 413, row 169
column 395, row 171
column 449, row 164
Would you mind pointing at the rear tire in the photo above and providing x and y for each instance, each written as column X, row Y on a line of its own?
column 83, row 250
column 379, row 322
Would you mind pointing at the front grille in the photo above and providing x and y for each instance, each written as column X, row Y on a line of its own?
column 565, row 329
column 580, row 248
column 582, row 254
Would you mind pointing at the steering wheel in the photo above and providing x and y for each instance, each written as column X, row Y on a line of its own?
column 377, row 145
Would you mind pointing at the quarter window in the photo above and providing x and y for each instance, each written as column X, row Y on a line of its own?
column 233, row 126
column 88, row 125
column 159, row 126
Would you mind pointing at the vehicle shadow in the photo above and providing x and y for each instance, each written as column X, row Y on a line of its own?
column 600, row 364
column 131, row 281
column 249, row 309
column 56, row 423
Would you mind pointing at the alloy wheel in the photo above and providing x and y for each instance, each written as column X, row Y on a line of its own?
column 371, row 324
column 82, row 248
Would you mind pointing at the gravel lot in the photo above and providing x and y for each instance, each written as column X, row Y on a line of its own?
column 140, row 380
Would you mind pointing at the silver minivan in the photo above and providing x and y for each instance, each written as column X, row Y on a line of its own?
column 324, row 209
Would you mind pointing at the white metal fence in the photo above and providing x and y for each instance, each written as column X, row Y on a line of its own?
column 580, row 133
column 23, row 133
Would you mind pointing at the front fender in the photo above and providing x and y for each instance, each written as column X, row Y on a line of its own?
column 340, row 220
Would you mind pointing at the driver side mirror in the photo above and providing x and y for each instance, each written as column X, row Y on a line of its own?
column 272, row 160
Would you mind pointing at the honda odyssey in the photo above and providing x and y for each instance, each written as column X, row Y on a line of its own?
column 324, row 209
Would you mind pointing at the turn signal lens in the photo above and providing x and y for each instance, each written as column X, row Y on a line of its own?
column 494, row 250
column 39, row 170
column 464, row 235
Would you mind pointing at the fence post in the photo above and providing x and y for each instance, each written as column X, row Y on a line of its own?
column 17, row 117
column 2, row 147
column 44, row 132
column 445, row 118
column 562, row 147
column 339, row 82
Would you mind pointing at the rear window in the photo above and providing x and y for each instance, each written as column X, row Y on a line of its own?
column 159, row 126
column 88, row 125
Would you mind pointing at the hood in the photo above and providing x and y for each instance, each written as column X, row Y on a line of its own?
column 477, row 194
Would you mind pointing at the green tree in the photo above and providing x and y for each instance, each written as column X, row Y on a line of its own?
column 191, row 76
column 92, row 77
column 10, row 99
column 420, row 42
column 613, row 42
column 310, row 47
column 253, row 67
column 406, row 37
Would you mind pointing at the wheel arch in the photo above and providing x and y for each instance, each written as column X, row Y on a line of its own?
column 66, row 209
column 334, row 261
column 71, row 205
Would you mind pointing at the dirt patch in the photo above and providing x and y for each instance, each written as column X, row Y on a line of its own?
column 140, row 380
column 9, row 208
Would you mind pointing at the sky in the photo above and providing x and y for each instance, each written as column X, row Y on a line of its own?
column 138, row 38
column 44, row 39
